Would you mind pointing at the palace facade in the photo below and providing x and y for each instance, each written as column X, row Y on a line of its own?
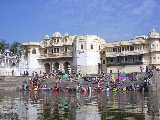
column 128, row 55
column 64, row 53
column 90, row 54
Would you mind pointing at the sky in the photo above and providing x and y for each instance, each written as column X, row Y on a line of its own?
column 112, row 20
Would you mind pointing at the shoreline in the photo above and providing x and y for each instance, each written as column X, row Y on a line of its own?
column 14, row 81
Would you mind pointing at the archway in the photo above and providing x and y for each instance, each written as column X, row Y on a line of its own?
column 47, row 67
column 67, row 67
column 56, row 67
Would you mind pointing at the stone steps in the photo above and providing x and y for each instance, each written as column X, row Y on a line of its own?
column 11, row 83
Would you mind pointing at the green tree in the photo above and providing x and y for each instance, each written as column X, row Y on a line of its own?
column 3, row 46
column 25, row 50
column 15, row 48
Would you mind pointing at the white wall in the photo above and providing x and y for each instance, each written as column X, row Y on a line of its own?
column 124, row 69
column 34, row 65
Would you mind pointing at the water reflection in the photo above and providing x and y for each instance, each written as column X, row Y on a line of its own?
column 42, row 105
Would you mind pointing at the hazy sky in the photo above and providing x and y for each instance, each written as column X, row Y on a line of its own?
column 112, row 20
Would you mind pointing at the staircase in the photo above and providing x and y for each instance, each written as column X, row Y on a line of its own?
column 11, row 83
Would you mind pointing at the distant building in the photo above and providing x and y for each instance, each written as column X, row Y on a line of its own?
column 88, row 54
column 128, row 55
column 64, row 53
column 8, row 64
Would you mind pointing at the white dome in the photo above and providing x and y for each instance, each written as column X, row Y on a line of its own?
column 46, row 37
column 56, row 34
column 66, row 34
column 153, row 34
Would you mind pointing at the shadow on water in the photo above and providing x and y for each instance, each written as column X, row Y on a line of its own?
column 42, row 105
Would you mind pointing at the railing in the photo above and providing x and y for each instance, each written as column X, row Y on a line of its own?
column 56, row 55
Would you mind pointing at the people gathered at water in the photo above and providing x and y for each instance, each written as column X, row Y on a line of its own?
column 103, row 82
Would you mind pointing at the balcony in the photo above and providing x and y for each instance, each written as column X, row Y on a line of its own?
column 56, row 55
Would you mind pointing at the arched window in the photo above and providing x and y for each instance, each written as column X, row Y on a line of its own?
column 104, row 61
column 33, row 51
column 91, row 46
column 45, row 51
column 81, row 46
column 65, row 39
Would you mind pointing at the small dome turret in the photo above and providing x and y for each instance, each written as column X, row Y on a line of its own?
column 153, row 34
column 66, row 34
column 46, row 37
column 56, row 34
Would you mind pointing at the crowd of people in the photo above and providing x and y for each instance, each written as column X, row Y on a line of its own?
column 112, row 82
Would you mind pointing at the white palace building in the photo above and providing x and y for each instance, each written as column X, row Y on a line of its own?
column 90, row 54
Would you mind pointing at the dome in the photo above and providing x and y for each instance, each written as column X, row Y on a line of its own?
column 56, row 34
column 66, row 34
column 153, row 34
column 46, row 37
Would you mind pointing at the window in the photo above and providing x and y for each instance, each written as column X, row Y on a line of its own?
column 57, row 50
column 54, row 50
column 33, row 51
column 111, row 59
column 45, row 51
column 119, row 49
column 103, row 53
column 122, row 48
column 114, row 49
column 131, row 48
column 91, row 46
column 65, row 49
column 125, row 59
column 140, row 57
column 103, row 61
column 118, row 60
column 81, row 46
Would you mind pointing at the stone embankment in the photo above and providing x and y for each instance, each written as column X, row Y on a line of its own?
column 11, row 83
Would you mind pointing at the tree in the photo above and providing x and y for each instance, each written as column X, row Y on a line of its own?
column 26, row 50
column 3, row 46
column 15, row 48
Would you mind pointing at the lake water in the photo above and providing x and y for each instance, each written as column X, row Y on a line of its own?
column 48, row 105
